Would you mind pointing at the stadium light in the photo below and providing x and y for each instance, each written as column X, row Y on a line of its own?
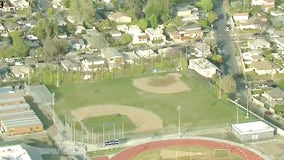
column 179, row 109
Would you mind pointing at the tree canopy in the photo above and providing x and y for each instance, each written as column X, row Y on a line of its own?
column 19, row 47
column 206, row 5
column 281, row 84
column 82, row 11
column 226, row 85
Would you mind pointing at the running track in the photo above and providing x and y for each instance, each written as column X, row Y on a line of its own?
column 130, row 153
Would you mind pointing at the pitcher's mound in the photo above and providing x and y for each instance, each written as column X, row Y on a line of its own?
column 169, row 83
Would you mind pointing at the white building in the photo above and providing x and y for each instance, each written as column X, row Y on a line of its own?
column 119, row 18
column 19, row 4
column 258, row 44
column 14, row 153
column 147, row 54
column 20, row 71
column 253, row 131
column 240, row 17
column 203, row 67
column 122, row 28
column 155, row 35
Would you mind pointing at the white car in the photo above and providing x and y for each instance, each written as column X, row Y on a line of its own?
column 227, row 29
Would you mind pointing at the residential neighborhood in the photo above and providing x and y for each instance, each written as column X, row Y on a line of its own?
column 49, row 49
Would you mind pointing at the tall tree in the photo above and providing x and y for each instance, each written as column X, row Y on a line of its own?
column 211, row 17
column 158, row 8
column 226, row 85
column 206, row 5
column 153, row 21
column 19, row 47
column 82, row 11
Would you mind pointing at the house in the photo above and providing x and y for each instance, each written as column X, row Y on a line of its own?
column 77, row 44
column 170, row 52
column 130, row 57
column 68, row 65
column 202, row 48
column 203, row 67
column 119, row 18
column 252, row 56
column 122, row 28
column 92, row 63
column 115, row 34
column 95, row 40
column 155, row 34
column 178, row 36
column 11, row 26
column 280, row 42
column 277, row 13
column 61, row 21
column 80, row 29
column 139, row 38
column 266, row 4
column 112, row 55
column 21, row 71
column 264, row 67
column 3, row 31
column 147, row 54
column 19, row 4
column 275, row 96
column 192, row 31
column 133, row 29
column 258, row 44
column 188, row 13
column 240, row 17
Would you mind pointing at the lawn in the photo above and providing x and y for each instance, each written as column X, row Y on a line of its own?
column 197, row 153
column 200, row 108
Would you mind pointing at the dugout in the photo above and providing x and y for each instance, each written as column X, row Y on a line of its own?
column 253, row 131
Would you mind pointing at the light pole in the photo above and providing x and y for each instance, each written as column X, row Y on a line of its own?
column 247, row 90
column 179, row 109
column 237, row 109
column 53, row 102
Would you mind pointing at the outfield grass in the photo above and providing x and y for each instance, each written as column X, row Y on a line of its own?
column 109, row 122
column 197, row 153
column 200, row 107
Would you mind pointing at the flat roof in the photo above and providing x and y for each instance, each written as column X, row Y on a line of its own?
column 16, row 106
column 15, row 115
column 252, row 127
column 15, row 99
column 21, row 122
column 14, row 152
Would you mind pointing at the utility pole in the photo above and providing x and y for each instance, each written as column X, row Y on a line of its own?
column 179, row 109
column 53, row 102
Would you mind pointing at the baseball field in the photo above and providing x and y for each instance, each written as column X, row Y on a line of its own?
column 144, row 104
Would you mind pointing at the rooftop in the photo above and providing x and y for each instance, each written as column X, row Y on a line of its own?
column 14, row 152
column 15, row 99
column 17, row 115
column 17, row 106
column 21, row 122
column 252, row 127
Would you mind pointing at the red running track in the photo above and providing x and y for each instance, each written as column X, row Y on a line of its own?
column 130, row 153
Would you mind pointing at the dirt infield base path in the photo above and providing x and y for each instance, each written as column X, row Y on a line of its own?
column 144, row 120
column 167, row 84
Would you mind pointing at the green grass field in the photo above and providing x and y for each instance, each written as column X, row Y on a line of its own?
column 196, row 153
column 200, row 107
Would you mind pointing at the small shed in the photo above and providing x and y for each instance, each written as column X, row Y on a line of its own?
column 253, row 131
